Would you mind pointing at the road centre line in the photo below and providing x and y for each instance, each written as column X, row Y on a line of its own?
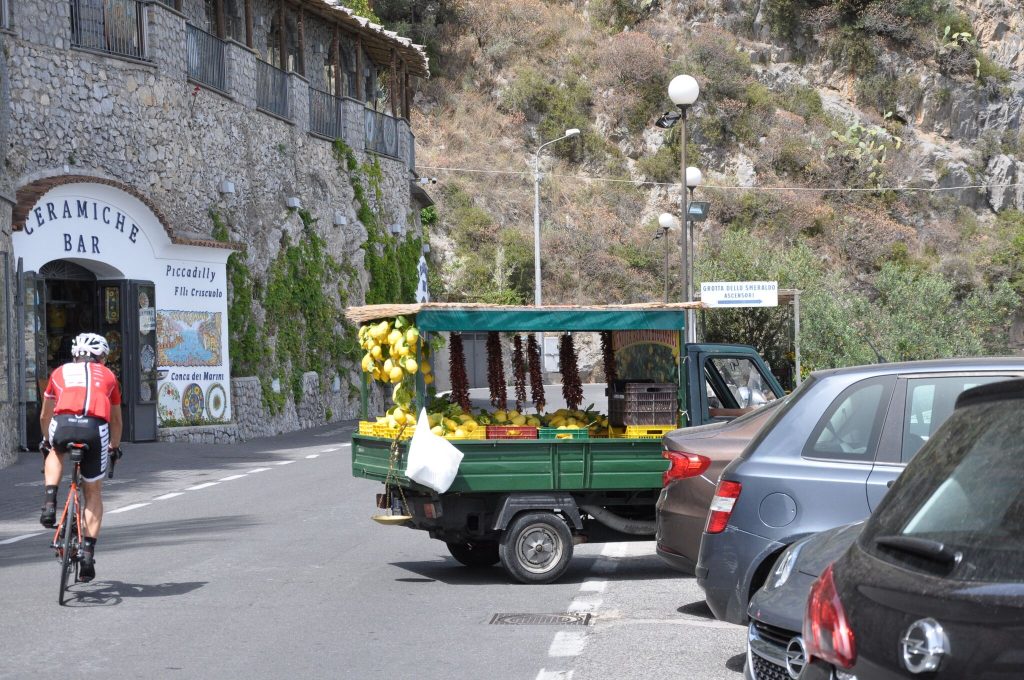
column 567, row 644
column 255, row 470
column 126, row 508
column 15, row 539
column 284, row 462
column 230, row 478
column 197, row 487
column 331, row 450
column 173, row 494
column 554, row 675
column 313, row 455
column 585, row 604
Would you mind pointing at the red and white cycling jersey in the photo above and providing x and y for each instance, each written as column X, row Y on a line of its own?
column 84, row 389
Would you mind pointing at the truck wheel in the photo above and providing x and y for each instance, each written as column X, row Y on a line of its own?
column 474, row 554
column 536, row 547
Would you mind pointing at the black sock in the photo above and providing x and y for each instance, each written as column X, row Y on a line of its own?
column 50, row 495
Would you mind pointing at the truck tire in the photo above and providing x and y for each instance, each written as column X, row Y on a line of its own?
column 474, row 554
column 536, row 547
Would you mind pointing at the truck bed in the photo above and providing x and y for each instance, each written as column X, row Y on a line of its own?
column 512, row 465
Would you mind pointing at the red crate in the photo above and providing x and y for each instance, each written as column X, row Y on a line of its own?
column 511, row 432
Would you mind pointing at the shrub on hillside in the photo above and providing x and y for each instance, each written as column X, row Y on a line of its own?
column 631, row 65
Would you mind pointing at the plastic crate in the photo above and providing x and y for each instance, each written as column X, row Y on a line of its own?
column 511, row 432
column 644, row 404
column 648, row 431
column 383, row 430
column 567, row 433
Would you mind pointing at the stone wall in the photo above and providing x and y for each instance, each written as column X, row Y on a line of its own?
column 146, row 126
column 8, row 334
column 320, row 404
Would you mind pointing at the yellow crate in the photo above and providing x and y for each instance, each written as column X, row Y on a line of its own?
column 648, row 431
column 366, row 427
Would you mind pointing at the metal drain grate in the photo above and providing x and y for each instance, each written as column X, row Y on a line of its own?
column 570, row 619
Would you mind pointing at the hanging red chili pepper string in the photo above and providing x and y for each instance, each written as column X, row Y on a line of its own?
column 457, row 371
column 536, row 376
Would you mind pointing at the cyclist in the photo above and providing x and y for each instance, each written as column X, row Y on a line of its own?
column 82, row 403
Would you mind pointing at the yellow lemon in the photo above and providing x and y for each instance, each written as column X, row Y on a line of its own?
column 436, row 429
column 394, row 337
column 376, row 352
column 410, row 365
column 428, row 379
column 396, row 374
column 425, row 367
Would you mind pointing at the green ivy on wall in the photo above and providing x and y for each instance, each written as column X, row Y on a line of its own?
column 391, row 262
column 304, row 320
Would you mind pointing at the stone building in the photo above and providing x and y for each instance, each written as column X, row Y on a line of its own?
column 147, row 142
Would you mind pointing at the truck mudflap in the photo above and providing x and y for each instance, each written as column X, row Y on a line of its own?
column 513, row 504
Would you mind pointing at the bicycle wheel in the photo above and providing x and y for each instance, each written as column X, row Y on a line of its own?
column 69, row 551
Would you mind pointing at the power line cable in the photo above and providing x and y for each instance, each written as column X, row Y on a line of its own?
column 725, row 187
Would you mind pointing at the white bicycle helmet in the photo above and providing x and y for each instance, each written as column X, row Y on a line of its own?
column 89, row 345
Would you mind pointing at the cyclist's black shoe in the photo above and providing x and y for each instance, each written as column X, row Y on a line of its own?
column 48, row 517
column 86, row 568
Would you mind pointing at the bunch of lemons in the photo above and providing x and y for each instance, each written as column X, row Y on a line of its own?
column 391, row 351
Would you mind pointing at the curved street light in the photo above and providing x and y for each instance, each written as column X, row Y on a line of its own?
column 571, row 132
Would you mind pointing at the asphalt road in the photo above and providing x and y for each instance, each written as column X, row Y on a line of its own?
column 260, row 560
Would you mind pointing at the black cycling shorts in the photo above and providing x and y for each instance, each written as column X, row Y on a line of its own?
column 93, row 432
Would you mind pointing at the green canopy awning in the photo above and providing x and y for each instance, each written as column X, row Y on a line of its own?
column 436, row 317
column 549, row 320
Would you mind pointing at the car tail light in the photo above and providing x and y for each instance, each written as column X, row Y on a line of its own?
column 683, row 465
column 722, row 505
column 827, row 632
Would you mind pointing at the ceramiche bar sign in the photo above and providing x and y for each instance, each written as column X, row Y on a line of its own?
column 116, row 236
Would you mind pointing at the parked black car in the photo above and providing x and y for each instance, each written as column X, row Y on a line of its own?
column 825, row 458
column 775, row 648
column 934, row 585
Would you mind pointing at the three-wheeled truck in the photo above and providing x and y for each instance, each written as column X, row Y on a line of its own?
column 526, row 502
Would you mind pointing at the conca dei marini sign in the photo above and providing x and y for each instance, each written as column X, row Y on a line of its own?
column 116, row 236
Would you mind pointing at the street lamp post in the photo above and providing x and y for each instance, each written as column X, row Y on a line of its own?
column 667, row 222
column 571, row 132
column 683, row 91
column 694, row 178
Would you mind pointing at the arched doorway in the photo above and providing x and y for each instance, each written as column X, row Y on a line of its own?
column 71, row 296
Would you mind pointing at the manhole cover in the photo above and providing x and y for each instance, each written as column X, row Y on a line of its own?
column 541, row 619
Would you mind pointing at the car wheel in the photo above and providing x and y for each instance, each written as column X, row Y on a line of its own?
column 536, row 547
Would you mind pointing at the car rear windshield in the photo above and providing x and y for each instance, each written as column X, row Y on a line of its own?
column 964, row 490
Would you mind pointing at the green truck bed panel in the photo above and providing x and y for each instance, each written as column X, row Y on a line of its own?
column 530, row 464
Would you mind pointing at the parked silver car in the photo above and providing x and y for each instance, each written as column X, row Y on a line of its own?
column 825, row 458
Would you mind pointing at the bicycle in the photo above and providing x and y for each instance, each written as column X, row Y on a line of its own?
column 67, row 539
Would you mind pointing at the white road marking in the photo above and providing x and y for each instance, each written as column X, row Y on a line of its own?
column 585, row 604
column 126, row 508
column 313, row 455
column 609, row 619
column 254, row 470
column 284, row 462
column 173, row 494
column 197, row 487
column 15, row 539
column 593, row 586
column 232, row 477
column 554, row 675
column 567, row 644
column 332, row 450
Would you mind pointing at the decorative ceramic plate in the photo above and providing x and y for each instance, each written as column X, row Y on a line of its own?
column 148, row 356
column 143, row 300
column 114, row 340
column 216, row 401
column 169, row 404
column 145, row 391
column 192, row 401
